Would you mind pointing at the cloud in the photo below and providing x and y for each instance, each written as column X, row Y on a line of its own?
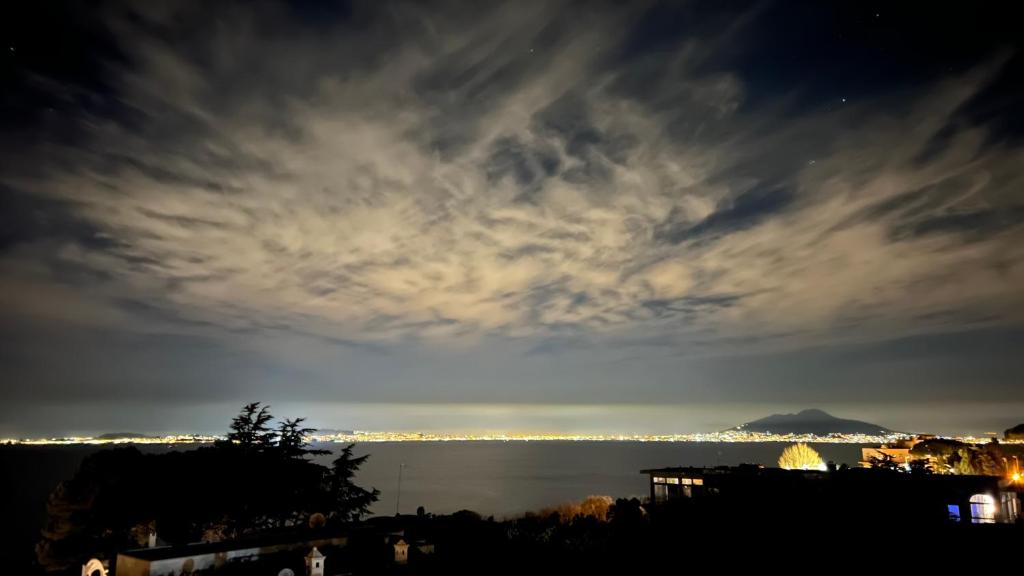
column 529, row 175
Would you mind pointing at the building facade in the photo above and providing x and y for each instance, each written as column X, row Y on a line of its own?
column 272, row 555
column 857, row 492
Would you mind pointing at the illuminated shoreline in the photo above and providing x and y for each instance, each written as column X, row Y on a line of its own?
column 372, row 437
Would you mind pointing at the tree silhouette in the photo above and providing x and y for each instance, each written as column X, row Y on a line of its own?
column 260, row 479
column 884, row 462
column 291, row 439
column 64, row 535
column 346, row 501
column 250, row 430
column 921, row 466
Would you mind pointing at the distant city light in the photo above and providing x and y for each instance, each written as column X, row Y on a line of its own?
column 406, row 436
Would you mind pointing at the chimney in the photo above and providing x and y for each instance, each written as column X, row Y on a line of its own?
column 315, row 563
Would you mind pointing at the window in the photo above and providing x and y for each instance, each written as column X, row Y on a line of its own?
column 659, row 479
column 698, row 481
column 672, row 481
column 983, row 509
column 1011, row 506
column 954, row 512
column 660, row 492
column 687, row 481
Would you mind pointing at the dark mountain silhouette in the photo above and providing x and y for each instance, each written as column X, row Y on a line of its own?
column 815, row 422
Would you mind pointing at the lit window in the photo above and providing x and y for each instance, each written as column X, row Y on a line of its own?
column 659, row 479
column 1011, row 506
column 954, row 512
column 660, row 492
column 983, row 509
column 698, row 481
column 672, row 480
column 687, row 481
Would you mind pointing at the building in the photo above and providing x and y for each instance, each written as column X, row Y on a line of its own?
column 672, row 483
column 401, row 552
column 899, row 452
column 858, row 494
column 316, row 563
column 273, row 555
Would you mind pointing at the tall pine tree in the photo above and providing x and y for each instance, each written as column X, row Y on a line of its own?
column 251, row 430
column 348, row 502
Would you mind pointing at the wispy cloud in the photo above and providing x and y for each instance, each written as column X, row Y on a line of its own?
column 448, row 179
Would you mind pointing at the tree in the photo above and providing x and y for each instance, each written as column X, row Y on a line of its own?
column 92, row 514
column 627, row 511
column 260, row 480
column 801, row 457
column 884, row 462
column 346, row 501
column 291, row 439
column 250, row 429
column 921, row 466
column 984, row 461
column 64, row 537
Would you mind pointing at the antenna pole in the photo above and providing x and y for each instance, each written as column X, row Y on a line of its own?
column 398, row 499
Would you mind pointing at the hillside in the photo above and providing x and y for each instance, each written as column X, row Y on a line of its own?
column 815, row 422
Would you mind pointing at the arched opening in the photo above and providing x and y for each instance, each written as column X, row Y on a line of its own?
column 94, row 568
column 983, row 509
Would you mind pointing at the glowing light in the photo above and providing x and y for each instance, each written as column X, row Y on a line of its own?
column 363, row 436
column 983, row 509
column 801, row 457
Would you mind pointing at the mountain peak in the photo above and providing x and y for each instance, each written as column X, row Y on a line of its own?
column 808, row 412
column 811, row 421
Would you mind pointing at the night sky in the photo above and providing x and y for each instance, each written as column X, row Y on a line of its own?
column 597, row 216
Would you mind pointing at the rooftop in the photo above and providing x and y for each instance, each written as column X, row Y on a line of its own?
column 281, row 540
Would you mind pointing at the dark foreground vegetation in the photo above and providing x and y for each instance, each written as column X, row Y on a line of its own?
column 805, row 531
column 258, row 480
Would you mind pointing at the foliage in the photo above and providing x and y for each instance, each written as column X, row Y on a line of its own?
column 922, row 466
column 260, row 479
column 1015, row 433
column 801, row 457
column 346, row 501
column 985, row 460
column 936, row 447
column 64, row 535
column 596, row 507
column 884, row 462
column 953, row 457
column 291, row 439
column 250, row 430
